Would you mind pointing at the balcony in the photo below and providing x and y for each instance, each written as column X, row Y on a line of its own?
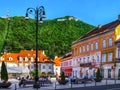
column 86, row 64
column 117, row 60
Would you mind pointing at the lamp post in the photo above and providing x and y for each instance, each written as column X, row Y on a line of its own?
column 39, row 13
column 114, row 71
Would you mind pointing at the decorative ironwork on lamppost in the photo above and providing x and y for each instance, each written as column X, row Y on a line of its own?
column 39, row 13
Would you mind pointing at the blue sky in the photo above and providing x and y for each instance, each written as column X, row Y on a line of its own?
column 94, row 12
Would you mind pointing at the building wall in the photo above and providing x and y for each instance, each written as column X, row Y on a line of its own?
column 66, row 65
column 91, row 50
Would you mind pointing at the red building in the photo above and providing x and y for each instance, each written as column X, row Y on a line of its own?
column 66, row 64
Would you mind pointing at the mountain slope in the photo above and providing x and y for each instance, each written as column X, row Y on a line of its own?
column 55, row 36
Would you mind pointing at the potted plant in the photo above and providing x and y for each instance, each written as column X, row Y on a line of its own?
column 62, row 79
column 98, row 76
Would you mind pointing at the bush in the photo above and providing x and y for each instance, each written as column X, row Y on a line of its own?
column 4, row 73
column 98, row 75
column 62, row 76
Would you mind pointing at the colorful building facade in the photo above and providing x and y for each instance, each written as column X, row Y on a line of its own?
column 97, row 49
column 66, row 64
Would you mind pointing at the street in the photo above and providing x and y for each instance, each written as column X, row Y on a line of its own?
column 106, row 87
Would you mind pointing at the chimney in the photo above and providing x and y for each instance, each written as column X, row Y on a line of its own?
column 99, row 26
column 119, row 17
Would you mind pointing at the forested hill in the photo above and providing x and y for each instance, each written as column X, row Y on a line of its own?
column 55, row 36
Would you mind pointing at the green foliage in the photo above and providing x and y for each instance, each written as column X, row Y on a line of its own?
column 62, row 76
column 4, row 73
column 98, row 75
column 54, row 37
column 33, row 73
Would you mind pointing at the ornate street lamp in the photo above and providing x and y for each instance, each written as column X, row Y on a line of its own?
column 39, row 13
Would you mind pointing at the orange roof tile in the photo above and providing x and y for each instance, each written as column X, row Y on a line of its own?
column 57, row 61
column 25, row 54
column 10, row 57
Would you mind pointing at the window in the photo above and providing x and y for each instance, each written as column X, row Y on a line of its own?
column 87, row 47
column 119, row 53
column 110, row 42
column 91, row 47
column 1, row 58
column 98, row 59
column 49, row 67
column 10, row 58
column 83, row 48
column 20, row 58
column 26, row 59
column 80, row 50
column 110, row 56
column 88, row 59
column 104, row 57
column 32, row 59
column 43, row 67
column 56, row 68
column 96, row 45
column 75, row 51
column 104, row 43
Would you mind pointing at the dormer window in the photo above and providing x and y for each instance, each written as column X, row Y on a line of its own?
column 2, row 59
column 32, row 59
column 20, row 59
column 10, row 58
column 26, row 59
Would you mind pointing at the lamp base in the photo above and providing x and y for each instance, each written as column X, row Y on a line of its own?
column 36, row 85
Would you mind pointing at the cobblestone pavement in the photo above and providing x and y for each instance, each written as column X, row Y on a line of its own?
column 55, row 85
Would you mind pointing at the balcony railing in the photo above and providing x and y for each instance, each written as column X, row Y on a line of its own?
column 117, row 60
column 85, row 64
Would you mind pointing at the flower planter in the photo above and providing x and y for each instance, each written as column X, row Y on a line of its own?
column 97, row 80
column 5, row 84
column 62, row 82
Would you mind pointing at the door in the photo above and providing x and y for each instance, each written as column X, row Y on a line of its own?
column 109, row 73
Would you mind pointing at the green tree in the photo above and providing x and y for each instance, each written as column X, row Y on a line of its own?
column 98, row 75
column 33, row 73
column 62, row 76
column 4, row 73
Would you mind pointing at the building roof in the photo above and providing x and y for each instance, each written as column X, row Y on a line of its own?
column 26, row 56
column 9, row 57
column 57, row 61
column 67, row 55
column 100, row 29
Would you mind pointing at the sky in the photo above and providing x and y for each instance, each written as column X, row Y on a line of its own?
column 94, row 12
